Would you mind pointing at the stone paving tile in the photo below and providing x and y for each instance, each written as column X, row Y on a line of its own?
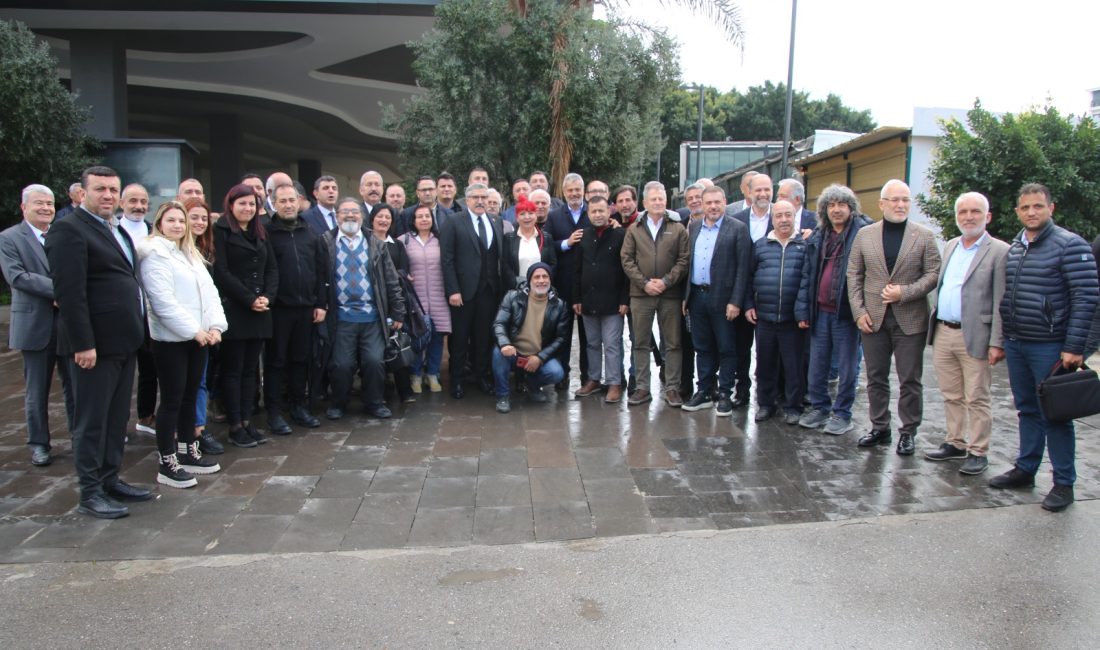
column 563, row 520
column 119, row 541
column 676, row 507
column 398, row 479
column 553, row 485
column 616, row 526
column 198, row 528
column 388, row 509
column 359, row 537
column 675, row 524
column 407, row 455
column 501, row 491
column 359, row 457
column 602, row 463
column 504, row 524
column 549, row 449
column 453, row 467
column 496, row 462
column 464, row 446
column 313, row 455
column 248, row 475
column 251, row 534
column 282, row 495
column 448, row 492
column 342, row 483
column 320, row 526
column 661, row 482
column 442, row 527
column 615, row 497
column 503, row 439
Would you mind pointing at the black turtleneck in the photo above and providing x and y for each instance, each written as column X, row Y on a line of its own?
column 892, row 234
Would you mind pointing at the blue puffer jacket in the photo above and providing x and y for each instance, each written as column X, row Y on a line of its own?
column 780, row 280
column 1050, row 289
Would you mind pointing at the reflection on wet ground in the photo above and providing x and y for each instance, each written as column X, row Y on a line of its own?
column 451, row 473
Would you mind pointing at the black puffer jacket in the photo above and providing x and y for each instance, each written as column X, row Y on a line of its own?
column 302, row 260
column 779, row 291
column 599, row 283
column 1050, row 289
column 513, row 311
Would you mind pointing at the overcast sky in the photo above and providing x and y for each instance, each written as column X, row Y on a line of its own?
column 890, row 56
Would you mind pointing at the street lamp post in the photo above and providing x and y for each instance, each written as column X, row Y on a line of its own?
column 790, row 93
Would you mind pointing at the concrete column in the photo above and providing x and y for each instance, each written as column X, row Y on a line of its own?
column 99, row 77
column 308, row 173
column 226, row 157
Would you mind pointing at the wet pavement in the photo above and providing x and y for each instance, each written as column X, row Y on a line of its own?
column 446, row 473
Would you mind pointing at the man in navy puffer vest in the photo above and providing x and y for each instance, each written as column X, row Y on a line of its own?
column 1050, row 298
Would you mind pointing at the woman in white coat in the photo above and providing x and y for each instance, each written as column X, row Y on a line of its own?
column 185, row 318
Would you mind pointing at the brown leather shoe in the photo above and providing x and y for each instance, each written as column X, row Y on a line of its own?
column 614, row 394
column 640, row 396
column 591, row 387
column 672, row 396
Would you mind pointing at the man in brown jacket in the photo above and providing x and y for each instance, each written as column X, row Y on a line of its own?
column 893, row 266
column 655, row 257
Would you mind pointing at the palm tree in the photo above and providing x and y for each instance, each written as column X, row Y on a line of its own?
column 723, row 12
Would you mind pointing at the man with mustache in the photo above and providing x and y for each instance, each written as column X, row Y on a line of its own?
column 964, row 330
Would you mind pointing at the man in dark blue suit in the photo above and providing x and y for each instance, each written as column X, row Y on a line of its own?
column 322, row 216
column 94, row 269
column 717, row 281
column 794, row 193
column 470, row 245
column 565, row 225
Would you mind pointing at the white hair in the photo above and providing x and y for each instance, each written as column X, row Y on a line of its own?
column 978, row 196
column 889, row 183
column 572, row 177
column 473, row 187
column 799, row 190
column 654, row 185
column 531, row 196
column 35, row 188
column 370, row 172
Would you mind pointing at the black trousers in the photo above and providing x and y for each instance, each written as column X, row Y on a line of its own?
column 472, row 335
column 780, row 345
column 146, row 382
column 240, row 359
column 286, row 358
column 101, row 409
column 746, row 334
column 38, row 368
column 179, row 366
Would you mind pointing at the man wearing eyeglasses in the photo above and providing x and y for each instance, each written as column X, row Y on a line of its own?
column 893, row 266
column 425, row 195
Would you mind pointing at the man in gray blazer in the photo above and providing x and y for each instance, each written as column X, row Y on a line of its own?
column 892, row 268
column 964, row 329
column 33, row 326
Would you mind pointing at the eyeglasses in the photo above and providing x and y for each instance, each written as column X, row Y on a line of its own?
column 344, row 213
column 898, row 199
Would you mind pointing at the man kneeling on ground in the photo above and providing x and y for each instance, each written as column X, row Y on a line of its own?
column 530, row 327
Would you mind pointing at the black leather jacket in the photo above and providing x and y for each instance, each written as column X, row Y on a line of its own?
column 513, row 311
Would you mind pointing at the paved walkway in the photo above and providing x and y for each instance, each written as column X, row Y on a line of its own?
column 454, row 473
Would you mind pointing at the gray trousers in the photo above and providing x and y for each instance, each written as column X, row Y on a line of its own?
column 605, row 347
column 907, row 351
column 38, row 368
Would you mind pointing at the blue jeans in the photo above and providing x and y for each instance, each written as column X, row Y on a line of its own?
column 715, row 344
column 550, row 372
column 1028, row 364
column 432, row 358
column 833, row 335
column 201, row 397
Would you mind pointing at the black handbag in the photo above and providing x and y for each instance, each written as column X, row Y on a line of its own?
column 399, row 353
column 1069, row 395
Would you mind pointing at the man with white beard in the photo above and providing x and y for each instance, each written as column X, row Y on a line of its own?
column 965, row 332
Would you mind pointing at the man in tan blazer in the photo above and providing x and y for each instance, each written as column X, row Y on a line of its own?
column 893, row 266
column 965, row 332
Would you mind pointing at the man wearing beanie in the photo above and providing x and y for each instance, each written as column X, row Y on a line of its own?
column 530, row 328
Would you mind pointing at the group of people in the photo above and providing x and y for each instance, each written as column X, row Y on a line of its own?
column 315, row 290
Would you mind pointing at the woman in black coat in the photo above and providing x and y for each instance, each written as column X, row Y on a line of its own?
column 247, row 279
column 526, row 245
column 382, row 227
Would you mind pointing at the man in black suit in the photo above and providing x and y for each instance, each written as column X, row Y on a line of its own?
column 425, row 195
column 34, row 317
column 758, row 218
column 565, row 225
column 473, row 285
column 76, row 195
column 370, row 190
column 717, row 280
column 540, row 180
column 322, row 216
column 93, row 265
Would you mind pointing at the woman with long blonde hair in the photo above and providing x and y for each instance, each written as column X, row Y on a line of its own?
column 185, row 318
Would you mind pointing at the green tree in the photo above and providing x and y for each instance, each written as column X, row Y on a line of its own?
column 490, row 74
column 41, row 127
column 996, row 155
column 757, row 114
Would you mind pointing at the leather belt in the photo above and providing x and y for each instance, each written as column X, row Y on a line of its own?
column 700, row 287
column 953, row 325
